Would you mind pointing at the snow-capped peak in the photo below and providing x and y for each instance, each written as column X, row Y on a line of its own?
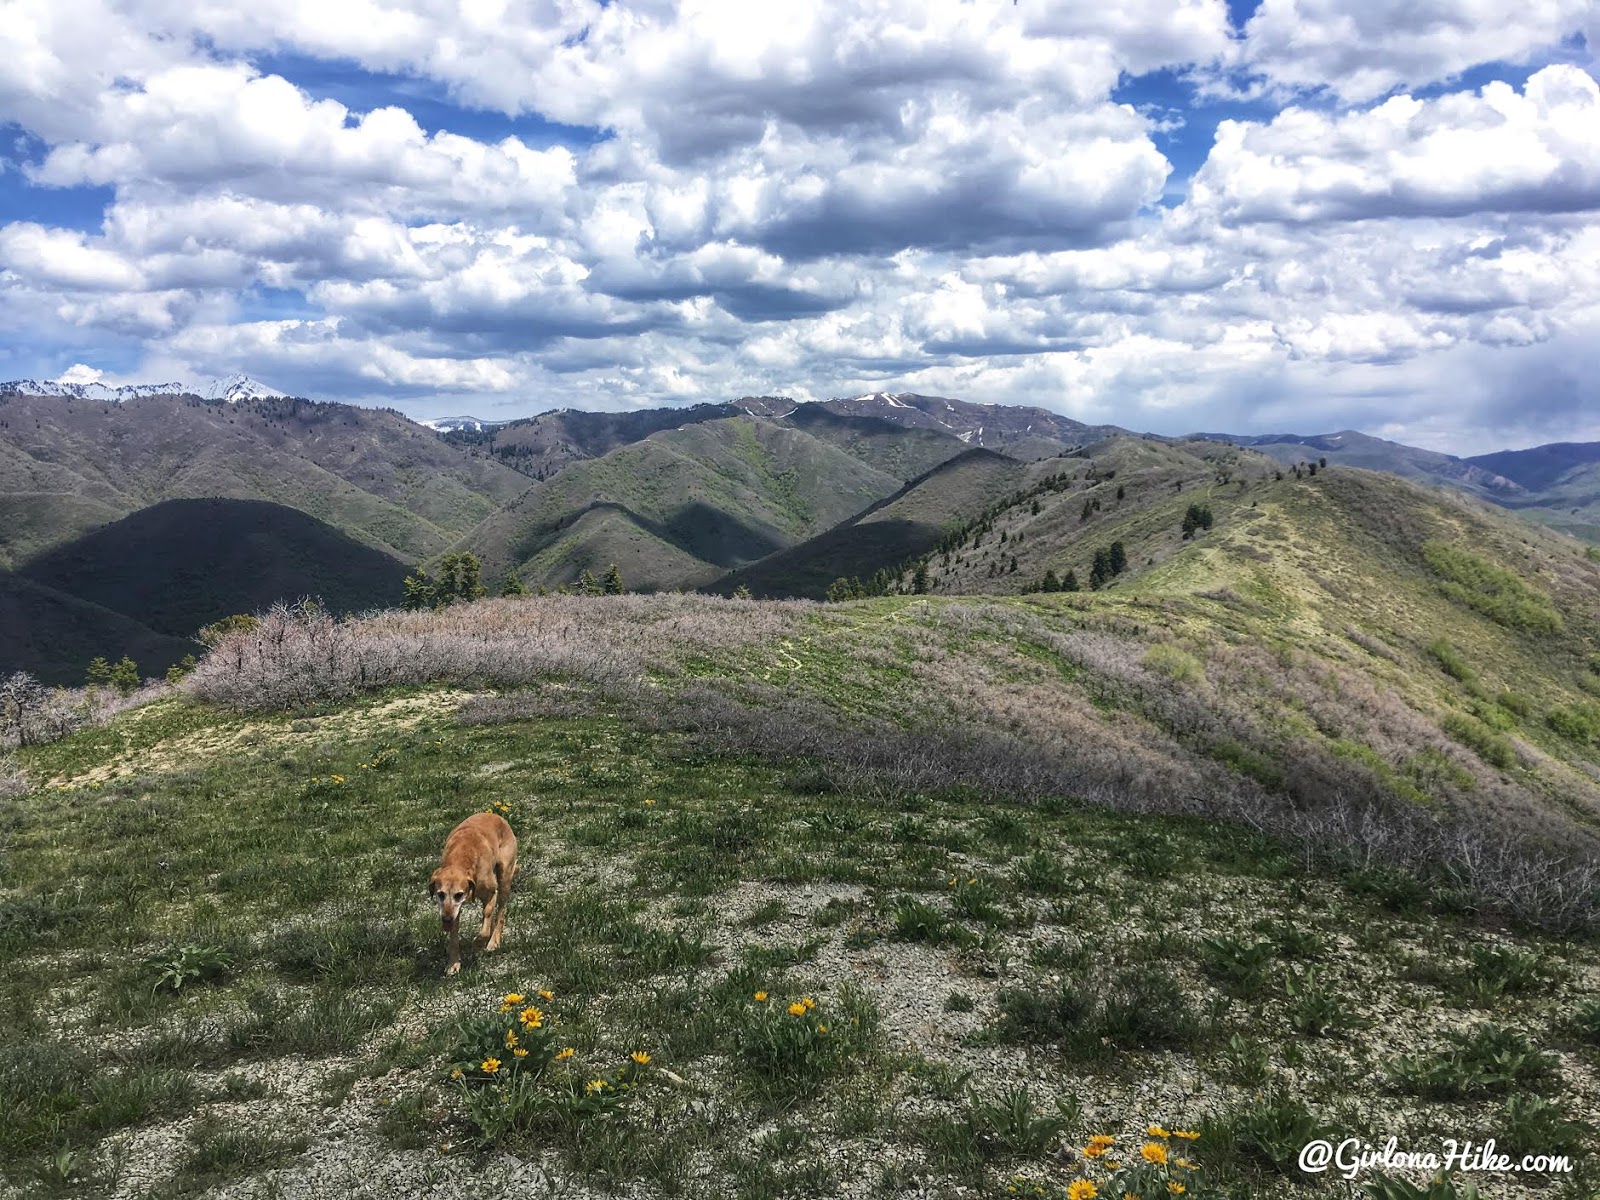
column 459, row 424
column 81, row 385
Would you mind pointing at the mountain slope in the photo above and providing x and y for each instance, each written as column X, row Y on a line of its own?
column 53, row 636
column 720, row 493
column 899, row 528
column 542, row 445
column 181, row 564
column 370, row 472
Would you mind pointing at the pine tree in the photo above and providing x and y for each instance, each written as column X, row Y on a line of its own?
column 1051, row 583
column 1121, row 491
column 919, row 581
column 588, row 585
column 613, row 582
column 180, row 668
column 1070, row 583
column 460, row 578
column 1013, row 570
column 741, row 592
column 125, row 676
column 1100, row 574
column 1119, row 559
column 421, row 591
column 1088, row 511
column 1036, row 508
column 512, row 585
column 839, row 590
column 99, row 671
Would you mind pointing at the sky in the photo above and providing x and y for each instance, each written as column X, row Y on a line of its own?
column 1171, row 215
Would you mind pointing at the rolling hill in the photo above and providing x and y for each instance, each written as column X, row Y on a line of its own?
column 52, row 636
column 900, row 527
column 372, row 473
column 694, row 500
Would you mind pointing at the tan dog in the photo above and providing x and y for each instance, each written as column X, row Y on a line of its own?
column 479, row 863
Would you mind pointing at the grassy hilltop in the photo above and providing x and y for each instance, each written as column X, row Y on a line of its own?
column 1234, row 847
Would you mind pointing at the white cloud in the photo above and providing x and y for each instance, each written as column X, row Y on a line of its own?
column 1497, row 150
column 1362, row 49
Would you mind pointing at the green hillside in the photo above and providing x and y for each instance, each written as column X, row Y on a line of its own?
column 711, row 494
column 181, row 564
column 901, row 527
column 369, row 472
column 914, row 895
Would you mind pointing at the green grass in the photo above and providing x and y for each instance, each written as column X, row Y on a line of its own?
column 204, row 885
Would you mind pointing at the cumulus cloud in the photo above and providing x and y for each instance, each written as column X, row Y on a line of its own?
column 1362, row 49
column 950, row 197
column 1495, row 150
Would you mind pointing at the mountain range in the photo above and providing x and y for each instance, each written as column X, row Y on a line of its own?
column 130, row 518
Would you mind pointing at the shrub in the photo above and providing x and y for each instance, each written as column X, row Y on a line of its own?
column 1164, row 658
column 1497, row 593
column 1266, row 1131
column 180, row 965
column 1487, row 1059
column 13, row 780
column 1473, row 733
column 1451, row 662
column 1577, row 723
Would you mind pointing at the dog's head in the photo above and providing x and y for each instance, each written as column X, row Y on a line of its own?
column 451, row 889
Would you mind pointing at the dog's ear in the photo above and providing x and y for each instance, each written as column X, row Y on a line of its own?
column 433, row 884
column 472, row 889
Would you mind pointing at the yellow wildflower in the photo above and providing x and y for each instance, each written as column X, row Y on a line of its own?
column 640, row 1057
column 457, row 1074
column 797, row 1009
column 491, row 1065
column 1157, row 1131
column 546, row 994
column 1184, row 1163
column 520, row 1052
column 511, row 1038
column 1176, row 1188
column 512, row 998
column 822, row 1029
column 1188, row 1135
column 808, row 1002
column 596, row 1085
column 531, row 1018
column 565, row 1054
column 1102, row 1139
column 1094, row 1150
column 1154, row 1152
column 1082, row 1189
column 761, row 997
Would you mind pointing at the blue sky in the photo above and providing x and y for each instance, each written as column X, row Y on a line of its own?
column 1171, row 214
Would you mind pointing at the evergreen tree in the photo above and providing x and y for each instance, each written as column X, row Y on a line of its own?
column 1119, row 559
column 1196, row 518
column 741, row 592
column 588, row 585
column 460, row 578
column 1070, row 583
column 1088, row 511
column 180, row 668
column 1051, row 583
column 839, row 590
column 1100, row 574
column 919, row 581
column 99, row 671
column 1013, row 564
column 125, row 676
column 512, row 585
column 1322, row 462
column 1036, row 508
column 613, row 582
column 1311, row 468
column 1121, row 491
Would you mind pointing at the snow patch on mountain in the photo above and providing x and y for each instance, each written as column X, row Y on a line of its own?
column 79, row 385
column 458, row 424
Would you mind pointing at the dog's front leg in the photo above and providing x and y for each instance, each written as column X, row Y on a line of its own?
column 455, row 949
column 491, row 907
